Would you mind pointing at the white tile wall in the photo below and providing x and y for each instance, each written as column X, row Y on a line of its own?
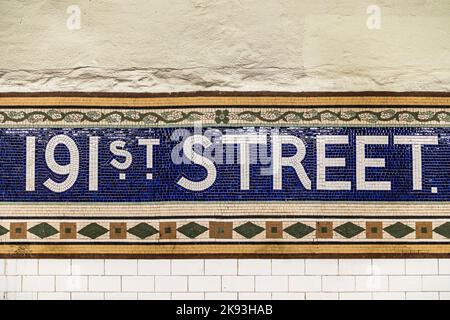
column 226, row 279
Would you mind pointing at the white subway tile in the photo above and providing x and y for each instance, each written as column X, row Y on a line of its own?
column 71, row 283
column 422, row 296
column 255, row 296
column 171, row 283
column 283, row 267
column 405, row 283
column 88, row 296
column 154, row 296
column 54, row 296
column 355, row 266
column 254, row 267
column 221, row 296
column 54, row 267
column 305, row 283
column 322, row 296
column 104, row 283
column 288, row 296
column 338, row 283
column 21, row 296
column 154, row 267
column 188, row 267
column 188, row 296
column 444, row 266
column 138, row 283
column 321, row 267
column 238, row 283
column 272, row 283
column 121, row 296
column 225, row 267
column 388, row 296
column 204, row 283
column 276, row 279
column 22, row 267
column 388, row 266
column 355, row 296
column 10, row 283
column 436, row 283
column 38, row 283
column 372, row 283
column 422, row 266
column 121, row 267
column 95, row 267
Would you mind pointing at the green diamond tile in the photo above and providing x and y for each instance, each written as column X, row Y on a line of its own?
column 3, row 230
column 443, row 230
column 299, row 230
column 249, row 230
column 93, row 231
column 43, row 230
column 349, row 230
column 192, row 230
column 143, row 230
column 399, row 230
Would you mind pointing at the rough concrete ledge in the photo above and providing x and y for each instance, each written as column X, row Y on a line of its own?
column 222, row 79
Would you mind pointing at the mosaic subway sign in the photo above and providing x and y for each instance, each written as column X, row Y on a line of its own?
column 224, row 176
column 258, row 163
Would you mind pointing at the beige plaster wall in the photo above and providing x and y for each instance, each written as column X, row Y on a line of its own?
column 186, row 45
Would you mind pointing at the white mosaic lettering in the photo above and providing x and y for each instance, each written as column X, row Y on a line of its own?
column 189, row 152
column 93, row 163
column 30, row 163
column 117, row 148
column 71, row 169
column 149, row 143
column 244, row 142
column 323, row 163
column 362, row 163
column 294, row 161
column 416, row 143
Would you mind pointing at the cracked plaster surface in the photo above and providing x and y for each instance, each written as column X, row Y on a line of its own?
column 229, row 45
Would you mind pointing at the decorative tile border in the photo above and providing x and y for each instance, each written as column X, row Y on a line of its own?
column 237, row 230
column 212, row 116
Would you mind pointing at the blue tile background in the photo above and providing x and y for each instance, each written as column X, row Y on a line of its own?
column 163, row 187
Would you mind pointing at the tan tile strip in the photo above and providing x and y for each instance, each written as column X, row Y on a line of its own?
column 198, row 209
column 211, row 250
column 227, row 101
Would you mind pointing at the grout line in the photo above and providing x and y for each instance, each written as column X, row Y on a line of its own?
column 404, row 263
column 188, row 283
column 204, row 267
column 438, row 267
column 271, row 267
column 339, row 267
column 305, row 268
